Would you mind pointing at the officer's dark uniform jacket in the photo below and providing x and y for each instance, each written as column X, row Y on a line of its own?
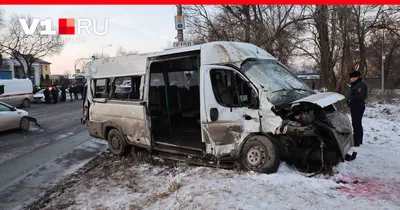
column 357, row 94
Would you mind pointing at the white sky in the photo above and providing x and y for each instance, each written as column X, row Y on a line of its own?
column 141, row 28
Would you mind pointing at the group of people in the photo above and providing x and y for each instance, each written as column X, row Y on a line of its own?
column 74, row 90
column 51, row 93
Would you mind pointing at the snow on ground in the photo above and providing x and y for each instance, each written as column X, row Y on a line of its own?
column 372, row 181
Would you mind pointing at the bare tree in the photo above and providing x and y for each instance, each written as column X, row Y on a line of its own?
column 366, row 18
column 273, row 28
column 331, row 44
column 338, row 38
column 26, row 49
column 326, row 43
column 389, row 40
column 122, row 52
column 2, row 50
column 1, row 18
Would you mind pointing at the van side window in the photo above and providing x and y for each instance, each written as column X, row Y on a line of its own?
column 126, row 88
column 157, row 79
column 183, row 79
column 102, row 88
column 230, row 89
column 1, row 89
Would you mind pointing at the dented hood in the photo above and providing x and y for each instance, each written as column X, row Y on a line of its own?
column 321, row 99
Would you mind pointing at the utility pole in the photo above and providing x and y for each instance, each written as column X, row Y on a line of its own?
column 180, row 31
column 383, row 64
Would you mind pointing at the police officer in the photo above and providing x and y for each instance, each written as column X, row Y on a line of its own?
column 357, row 94
column 47, row 95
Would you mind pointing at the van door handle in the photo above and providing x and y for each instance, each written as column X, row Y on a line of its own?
column 214, row 114
column 143, row 103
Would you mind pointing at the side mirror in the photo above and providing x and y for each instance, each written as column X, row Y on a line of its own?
column 14, row 109
column 324, row 89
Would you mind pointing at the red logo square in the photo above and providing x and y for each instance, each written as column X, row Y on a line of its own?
column 66, row 26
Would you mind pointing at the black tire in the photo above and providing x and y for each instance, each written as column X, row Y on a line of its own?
column 260, row 154
column 116, row 143
column 24, row 124
column 26, row 103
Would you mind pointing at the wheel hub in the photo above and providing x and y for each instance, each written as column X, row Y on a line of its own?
column 115, row 142
column 256, row 156
column 25, row 123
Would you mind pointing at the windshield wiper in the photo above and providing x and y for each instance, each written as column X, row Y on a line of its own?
column 301, row 89
column 283, row 89
column 290, row 90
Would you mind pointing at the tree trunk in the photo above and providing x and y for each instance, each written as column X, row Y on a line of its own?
column 363, row 55
column 29, row 70
column 347, row 61
column 246, row 10
column 321, row 24
column 386, row 67
column 16, row 56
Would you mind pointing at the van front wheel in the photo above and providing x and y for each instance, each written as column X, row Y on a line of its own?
column 260, row 154
column 116, row 143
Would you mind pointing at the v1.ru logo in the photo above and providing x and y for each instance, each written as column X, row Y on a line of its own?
column 66, row 26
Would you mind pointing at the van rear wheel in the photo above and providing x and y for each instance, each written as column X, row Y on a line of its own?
column 260, row 154
column 26, row 103
column 116, row 143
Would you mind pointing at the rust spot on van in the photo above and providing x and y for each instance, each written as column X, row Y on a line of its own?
column 223, row 134
column 136, row 131
column 206, row 135
column 95, row 129
column 223, row 53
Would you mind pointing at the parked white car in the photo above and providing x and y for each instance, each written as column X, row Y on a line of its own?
column 13, row 118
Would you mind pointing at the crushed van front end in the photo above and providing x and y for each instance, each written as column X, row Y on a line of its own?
column 313, row 133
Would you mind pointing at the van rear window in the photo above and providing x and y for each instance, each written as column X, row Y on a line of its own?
column 126, row 88
column 1, row 89
column 101, row 88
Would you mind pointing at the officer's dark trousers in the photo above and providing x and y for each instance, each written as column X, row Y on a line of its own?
column 47, row 100
column 356, row 118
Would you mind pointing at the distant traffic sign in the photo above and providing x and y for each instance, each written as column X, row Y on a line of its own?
column 179, row 22
column 183, row 44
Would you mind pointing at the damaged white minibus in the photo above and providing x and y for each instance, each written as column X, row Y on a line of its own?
column 225, row 103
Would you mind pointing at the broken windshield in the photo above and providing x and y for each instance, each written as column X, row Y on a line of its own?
column 280, row 85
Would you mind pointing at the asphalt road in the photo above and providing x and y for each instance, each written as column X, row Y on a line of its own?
column 31, row 162
column 56, row 120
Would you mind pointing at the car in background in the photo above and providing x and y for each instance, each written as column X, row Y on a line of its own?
column 13, row 118
column 39, row 96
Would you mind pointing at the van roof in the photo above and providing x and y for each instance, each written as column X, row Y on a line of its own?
column 212, row 53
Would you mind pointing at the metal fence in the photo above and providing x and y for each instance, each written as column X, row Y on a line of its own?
column 372, row 83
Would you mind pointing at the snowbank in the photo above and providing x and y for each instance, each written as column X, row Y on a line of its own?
column 372, row 181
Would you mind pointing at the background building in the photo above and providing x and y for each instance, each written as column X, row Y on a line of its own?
column 41, row 72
